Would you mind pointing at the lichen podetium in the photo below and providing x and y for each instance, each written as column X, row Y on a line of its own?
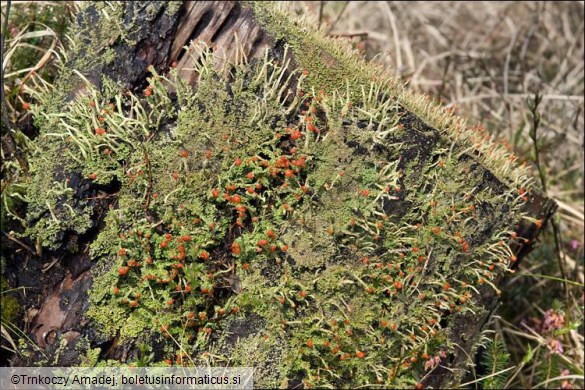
column 321, row 233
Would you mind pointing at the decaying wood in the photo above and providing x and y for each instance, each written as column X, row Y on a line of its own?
column 226, row 26
column 231, row 30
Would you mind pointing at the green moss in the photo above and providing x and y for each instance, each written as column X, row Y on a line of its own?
column 267, row 352
column 11, row 309
column 327, row 62
column 109, row 319
column 90, row 357
column 173, row 7
column 136, row 324
column 60, row 349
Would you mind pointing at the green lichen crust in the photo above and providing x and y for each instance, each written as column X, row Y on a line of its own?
column 10, row 305
column 321, row 234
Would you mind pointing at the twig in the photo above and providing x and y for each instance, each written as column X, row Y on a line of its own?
column 321, row 6
column 392, row 20
column 533, row 106
column 22, row 244
column 338, row 17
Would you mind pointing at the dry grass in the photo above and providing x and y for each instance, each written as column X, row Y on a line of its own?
column 34, row 38
column 487, row 59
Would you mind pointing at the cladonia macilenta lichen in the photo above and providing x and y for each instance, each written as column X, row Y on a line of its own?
column 273, row 216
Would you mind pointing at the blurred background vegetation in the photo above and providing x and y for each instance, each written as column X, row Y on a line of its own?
column 487, row 60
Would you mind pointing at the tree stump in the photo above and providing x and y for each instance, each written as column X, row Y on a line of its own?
column 221, row 184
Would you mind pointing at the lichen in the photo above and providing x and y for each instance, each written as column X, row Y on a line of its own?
column 173, row 7
column 338, row 227
column 89, row 356
column 11, row 308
